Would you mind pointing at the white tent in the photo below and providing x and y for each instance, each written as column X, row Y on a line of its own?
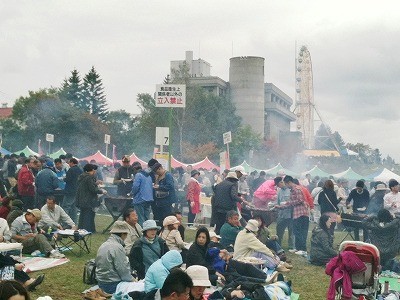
column 386, row 175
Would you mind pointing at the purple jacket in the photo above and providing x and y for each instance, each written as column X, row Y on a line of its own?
column 340, row 268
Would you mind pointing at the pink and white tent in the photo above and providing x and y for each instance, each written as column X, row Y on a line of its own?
column 134, row 158
column 100, row 159
column 205, row 164
column 176, row 163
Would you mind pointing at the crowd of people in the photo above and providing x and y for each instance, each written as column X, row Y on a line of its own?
column 41, row 196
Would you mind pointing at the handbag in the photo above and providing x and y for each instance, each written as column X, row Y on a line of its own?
column 161, row 194
column 338, row 216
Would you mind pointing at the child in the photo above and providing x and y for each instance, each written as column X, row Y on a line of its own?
column 171, row 235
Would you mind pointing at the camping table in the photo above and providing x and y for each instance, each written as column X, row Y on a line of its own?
column 68, row 240
column 116, row 205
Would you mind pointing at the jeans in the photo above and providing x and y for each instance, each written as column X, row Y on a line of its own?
column 109, row 287
column 281, row 225
column 69, row 207
column 191, row 216
column 300, row 230
column 220, row 218
column 160, row 212
column 86, row 219
column 143, row 211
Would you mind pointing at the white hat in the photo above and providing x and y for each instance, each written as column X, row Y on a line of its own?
column 381, row 187
column 120, row 227
column 252, row 225
column 170, row 220
column 241, row 170
column 199, row 275
column 149, row 224
column 281, row 173
column 232, row 175
column 213, row 234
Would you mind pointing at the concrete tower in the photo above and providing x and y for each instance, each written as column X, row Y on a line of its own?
column 246, row 80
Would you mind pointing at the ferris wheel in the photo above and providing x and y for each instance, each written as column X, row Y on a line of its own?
column 304, row 107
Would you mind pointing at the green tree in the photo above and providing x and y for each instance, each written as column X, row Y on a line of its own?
column 71, row 91
column 244, row 139
column 94, row 98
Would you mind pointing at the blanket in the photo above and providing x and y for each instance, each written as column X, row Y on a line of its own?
column 33, row 264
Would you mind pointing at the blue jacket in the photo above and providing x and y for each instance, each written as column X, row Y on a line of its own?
column 159, row 270
column 46, row 182
column 142, row 188
column 167, row 184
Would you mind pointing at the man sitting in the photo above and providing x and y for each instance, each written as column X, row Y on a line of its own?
column 24, row 230
column 112, row 265
column 54, row 217
column 135, row 230
column 201, row 281
column 230, row 230
column 5, row 234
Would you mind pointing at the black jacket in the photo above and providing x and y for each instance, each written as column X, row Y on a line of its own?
column 71, row 180
column 86, row 194
column 321, row 250
column 226, row 195
column 326, row 206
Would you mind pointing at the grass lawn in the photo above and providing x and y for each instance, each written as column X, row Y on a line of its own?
column 65, row 281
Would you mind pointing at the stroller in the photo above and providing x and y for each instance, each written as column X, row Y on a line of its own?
column 365, row 285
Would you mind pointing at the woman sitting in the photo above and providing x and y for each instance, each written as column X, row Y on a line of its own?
column 322, row 242
column 12, row 269
column 171, row 235
column 384, row 234
column 197, row 254
column 146, row 250
column 247, row 246
column 271, row 241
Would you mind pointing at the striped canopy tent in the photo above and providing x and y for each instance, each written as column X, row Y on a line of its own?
column 57, row 154
column 133, row 157
column 205, row 164
column 316, row 172
column 176, row 163
column 246, row 167
column 100, row 159
column 27, row 151
column 4, row 151
column 385, row 175
column 278, row 168
column 349, row 174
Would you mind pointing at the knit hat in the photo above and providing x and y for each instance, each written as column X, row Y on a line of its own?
column 36, row 212
column 170, row 220
column 199, row 275
column 150, row 224
column 252, row 225
column 194, row 172
column 119, row 227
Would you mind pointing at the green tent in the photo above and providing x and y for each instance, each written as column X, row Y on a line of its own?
column 316, row 172
column 246, row 167
column 278, row 168
column 27, row 151
column 349, row 174
column 57, row 154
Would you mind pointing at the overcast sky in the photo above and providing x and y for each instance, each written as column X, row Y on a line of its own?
column 354, row 46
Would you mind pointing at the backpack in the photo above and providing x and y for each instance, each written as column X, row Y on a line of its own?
column 89, row 272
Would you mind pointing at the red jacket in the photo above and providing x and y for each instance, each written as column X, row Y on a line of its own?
column 340, row 268
column 25, row 182
column 193, row 195
column 307, row 196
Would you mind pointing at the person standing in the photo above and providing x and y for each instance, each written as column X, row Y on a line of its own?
column 285, row 216
column 71, row 185
column 329, row 203
column 266, row 193
column 123, row 178
column 300, row 215
column 193, row 196
column 360, row 198
column 26, row 184
column 86, row 197
column 142, row 191
column 46, row 183
column 225, row 199
column 392, row 199
column 164, row 192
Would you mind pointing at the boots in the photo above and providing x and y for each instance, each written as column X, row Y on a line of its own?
column 93, row 295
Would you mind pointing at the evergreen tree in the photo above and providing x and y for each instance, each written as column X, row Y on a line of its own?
column 71, row 90
column 94, row 98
